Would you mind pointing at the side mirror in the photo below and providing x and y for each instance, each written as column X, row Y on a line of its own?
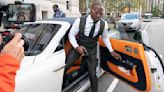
column 137, row 36
column 141, row 36
column 19, row 13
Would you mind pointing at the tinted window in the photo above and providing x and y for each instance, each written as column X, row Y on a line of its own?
column 38, row 35
column 130, row 16
column 146, row 17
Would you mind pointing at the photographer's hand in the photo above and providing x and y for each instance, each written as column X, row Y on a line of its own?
column 15, row 47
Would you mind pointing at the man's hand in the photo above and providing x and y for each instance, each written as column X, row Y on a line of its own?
column 116, row 55
column 15, row 47
column 82, row 50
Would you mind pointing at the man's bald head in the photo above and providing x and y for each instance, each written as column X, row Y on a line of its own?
column 95, row 4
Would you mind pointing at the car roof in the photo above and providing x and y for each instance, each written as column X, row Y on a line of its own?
column 136, row 13
column 70, row 20
column 148, row 14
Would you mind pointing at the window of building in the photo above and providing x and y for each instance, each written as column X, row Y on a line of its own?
column 44, row 14
column 67, row 5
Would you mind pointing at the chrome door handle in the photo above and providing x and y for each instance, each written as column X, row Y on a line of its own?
column 60, row 67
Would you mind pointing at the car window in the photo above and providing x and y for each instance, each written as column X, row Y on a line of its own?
column 146, row 16
column 121, row 34
column 130, row 16
column 38, row 36
column 60, row 46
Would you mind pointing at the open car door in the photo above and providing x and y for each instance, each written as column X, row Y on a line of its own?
column 133, row 69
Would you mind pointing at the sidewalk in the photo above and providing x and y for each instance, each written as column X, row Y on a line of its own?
column 111, row 26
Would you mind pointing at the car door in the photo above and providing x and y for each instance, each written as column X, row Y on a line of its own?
column 133, row 69
column 45, row 74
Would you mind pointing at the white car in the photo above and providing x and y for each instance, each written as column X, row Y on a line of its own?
column 42, row 69
column 129, row 22
column 147, row 17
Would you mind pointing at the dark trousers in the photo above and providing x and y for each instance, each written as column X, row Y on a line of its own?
column 91, row 62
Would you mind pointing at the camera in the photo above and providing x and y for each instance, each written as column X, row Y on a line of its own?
column 7, row 36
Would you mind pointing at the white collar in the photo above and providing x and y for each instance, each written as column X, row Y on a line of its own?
column 90, row 20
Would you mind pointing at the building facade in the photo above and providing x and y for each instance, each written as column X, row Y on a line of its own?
column 45, row 11
column 44, row 8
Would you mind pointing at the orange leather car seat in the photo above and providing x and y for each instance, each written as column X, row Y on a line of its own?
column 76, row 66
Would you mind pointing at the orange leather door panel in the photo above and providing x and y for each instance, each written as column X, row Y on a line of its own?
column 133, row 55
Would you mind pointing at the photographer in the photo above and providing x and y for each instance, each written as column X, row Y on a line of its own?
column 10, row 57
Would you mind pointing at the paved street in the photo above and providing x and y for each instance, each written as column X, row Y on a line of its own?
column 155, row 29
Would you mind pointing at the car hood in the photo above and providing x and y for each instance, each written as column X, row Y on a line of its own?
column 127, row 21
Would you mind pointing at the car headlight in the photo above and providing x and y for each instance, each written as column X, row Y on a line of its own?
column 135, row 24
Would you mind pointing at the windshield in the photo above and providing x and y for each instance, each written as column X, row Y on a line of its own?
column 130, row 16
column 38, row 36
column 146, row 16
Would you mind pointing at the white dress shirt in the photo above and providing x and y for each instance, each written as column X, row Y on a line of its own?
column 89, row 23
